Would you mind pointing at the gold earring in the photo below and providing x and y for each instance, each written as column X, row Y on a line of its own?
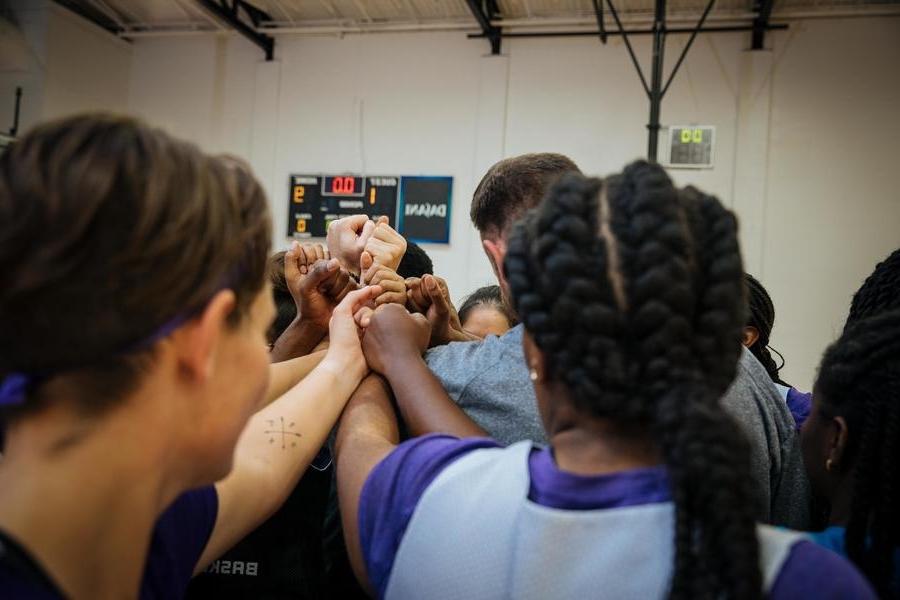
column 828, row 464
column 533, row 374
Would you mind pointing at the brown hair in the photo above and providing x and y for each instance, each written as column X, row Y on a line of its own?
column 512, row 186
column 109, row 231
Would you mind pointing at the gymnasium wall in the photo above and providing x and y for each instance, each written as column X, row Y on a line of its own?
column 806, row 132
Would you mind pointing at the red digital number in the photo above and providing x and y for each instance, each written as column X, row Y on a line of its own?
column 343, row 185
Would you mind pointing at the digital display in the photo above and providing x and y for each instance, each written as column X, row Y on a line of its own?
column 691, row 146
column 317, row 200
column 343, row 185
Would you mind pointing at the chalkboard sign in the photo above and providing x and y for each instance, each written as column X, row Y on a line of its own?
column 425, row 208
column 691, row 146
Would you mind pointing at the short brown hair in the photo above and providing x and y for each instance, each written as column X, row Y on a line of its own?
column 514, row 185
column 109, row 230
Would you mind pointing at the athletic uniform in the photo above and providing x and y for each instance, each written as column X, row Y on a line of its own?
column 283, row 557
column 443, row 518
column 179, row 538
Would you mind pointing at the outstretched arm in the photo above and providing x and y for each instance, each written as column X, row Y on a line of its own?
column 317, row 284
column 393, row 344
column 280, row 441
column 368, row 432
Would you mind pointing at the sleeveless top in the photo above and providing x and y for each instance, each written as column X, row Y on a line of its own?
column 475, row 534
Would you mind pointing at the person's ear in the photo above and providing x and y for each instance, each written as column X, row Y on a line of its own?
column 196, row 342
column 496, row 252
column 534, row 359
column 750, row 335
column 838, row 436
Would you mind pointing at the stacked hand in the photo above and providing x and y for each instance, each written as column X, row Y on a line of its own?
column 431, row 297
column 385, row 247
column 345, row 355
column 316, row 283
column 392, row 336
column 347, row 238
column 393, row 285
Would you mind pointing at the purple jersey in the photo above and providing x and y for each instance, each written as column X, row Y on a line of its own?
column 396, row 485
column 180, row 535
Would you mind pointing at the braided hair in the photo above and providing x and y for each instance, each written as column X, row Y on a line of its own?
column 859, row 379
column 633, row 291
column 880, row 292
column 762, row 317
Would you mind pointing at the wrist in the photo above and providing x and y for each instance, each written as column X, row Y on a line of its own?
column 399, row 364
column 344, row 366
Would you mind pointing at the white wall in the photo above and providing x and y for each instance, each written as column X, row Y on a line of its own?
column 806, row 133
column 63, row 63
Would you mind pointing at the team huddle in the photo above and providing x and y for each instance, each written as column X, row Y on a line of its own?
column 187, row 415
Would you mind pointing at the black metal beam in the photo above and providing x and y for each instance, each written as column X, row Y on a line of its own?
column 483, row 14
column 15, row 126
column 86, row 11
column 761, row 24
column 231, row 15
column 595, row 33
column 687, row 46
column 659, row 48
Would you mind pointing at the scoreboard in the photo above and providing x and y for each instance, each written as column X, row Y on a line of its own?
column 416, row 206
column 691, row 147
column 317, row 200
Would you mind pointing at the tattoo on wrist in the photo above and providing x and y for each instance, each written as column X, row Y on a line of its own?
column 284, row 432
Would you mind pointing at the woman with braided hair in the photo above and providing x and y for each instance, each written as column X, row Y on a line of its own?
column 851, row 443
column 630, row 292
column 760, row 320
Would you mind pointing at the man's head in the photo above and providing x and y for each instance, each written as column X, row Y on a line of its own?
column 506, row 192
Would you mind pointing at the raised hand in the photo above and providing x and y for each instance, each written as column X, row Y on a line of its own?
column 347, row 238
column 345, row 353
column 385, row 246
column 317, row 286
column 431, row 297
column 393, row 285
column 393, row 337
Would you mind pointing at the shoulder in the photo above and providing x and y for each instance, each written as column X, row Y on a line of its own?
column 179, row 538
column 461, row 354
column 811, row 571
column 394, row 488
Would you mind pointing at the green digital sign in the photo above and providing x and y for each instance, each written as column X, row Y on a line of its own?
column 691, row 146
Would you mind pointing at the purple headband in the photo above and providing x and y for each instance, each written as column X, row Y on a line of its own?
column 15, row 386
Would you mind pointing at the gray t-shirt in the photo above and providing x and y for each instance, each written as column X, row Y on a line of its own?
column 489, row 381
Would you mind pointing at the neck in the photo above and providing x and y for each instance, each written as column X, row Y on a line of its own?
column 840, row 501
column 84, row 512
column 599, row 447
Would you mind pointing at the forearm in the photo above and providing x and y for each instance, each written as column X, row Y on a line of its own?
column 274, row 450
column 367, row 433
column 424, row 403
column 299, row 339
column 286, row 374
column 283, row 438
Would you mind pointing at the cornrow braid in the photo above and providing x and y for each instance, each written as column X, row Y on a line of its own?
column 633, row 292
column 762, row 317
column 859, row 379
column 880, row 292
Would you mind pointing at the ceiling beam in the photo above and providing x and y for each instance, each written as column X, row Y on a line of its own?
column 761, row 24
column 232, row 16
column 484, row 11
column 91, row 13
